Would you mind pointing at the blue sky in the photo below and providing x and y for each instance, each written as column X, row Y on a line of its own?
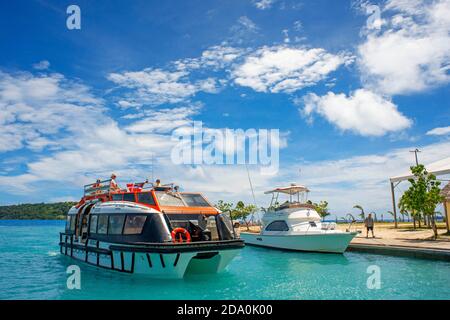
column 351, row 92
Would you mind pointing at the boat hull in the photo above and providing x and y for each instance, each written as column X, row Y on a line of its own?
column 325, row 242
column 163, row 261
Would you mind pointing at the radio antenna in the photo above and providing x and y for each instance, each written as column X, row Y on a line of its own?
column 251, row 185
column 153, row 178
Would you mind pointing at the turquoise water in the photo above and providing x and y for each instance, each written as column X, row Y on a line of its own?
column 31, row 268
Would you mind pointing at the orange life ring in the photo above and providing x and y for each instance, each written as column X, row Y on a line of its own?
column 180, row 231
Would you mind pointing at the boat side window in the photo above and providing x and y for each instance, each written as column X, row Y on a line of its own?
column 194, row 200
column 93, row 225
column 279, row 225
column 68, row 223
column 169, row 199
column 116, row 224
column 146, row 197
column 134, row 224
column 129, row 197
column 117, row 197
column 73, row 219
column 102, row 224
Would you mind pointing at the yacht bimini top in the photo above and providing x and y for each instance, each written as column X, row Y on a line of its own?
column 297, row 197
column 292, row 189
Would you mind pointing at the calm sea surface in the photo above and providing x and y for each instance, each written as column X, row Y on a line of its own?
column 32, row 268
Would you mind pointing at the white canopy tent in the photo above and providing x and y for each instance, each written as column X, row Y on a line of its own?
column 438, row 168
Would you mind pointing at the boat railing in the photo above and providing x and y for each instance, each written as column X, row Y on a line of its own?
column 97, row 188
column 328, row 225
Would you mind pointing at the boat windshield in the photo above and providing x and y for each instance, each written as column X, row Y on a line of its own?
column 194, row 200
column 181, row 199
column 169, row 199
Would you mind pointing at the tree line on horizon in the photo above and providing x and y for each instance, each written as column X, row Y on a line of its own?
column 36, row 211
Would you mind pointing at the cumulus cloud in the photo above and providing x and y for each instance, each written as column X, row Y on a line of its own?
column 410, row 52
column 441, row 131
column 286, row 69
column 82, row 141
column 174, row 83
column 362, row 112
column 263, row 4
column 244, row 30
column 158, row 86
column 342, row 182
column 86, row 143
column 41, row 65
column 214, row 58
column 34, row 108
column 164, row 120
column 364, row 178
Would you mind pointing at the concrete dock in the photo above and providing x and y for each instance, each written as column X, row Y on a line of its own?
column 424, row 249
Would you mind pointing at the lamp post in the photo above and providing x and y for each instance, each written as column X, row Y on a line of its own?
column 416, row 151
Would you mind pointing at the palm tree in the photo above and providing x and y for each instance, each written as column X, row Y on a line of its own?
column 362, row 214
column 392, row 214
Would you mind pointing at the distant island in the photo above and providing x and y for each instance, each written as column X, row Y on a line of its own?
column 36, row 211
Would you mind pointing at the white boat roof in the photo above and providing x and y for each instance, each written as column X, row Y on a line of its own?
column 292, row 189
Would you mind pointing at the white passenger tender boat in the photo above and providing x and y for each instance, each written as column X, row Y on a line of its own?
column 295, row 225
column 155, row 231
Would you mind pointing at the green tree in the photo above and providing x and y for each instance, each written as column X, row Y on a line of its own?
column 242, row 211
column 406, row 205
column 423, row 195
column 362, row 214
column 224, row 206
column 322, row 209
column 36, row 211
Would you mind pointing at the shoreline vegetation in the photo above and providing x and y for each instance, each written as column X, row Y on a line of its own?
column 36, row 211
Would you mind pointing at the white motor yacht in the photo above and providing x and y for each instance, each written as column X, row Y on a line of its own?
column 295, row 225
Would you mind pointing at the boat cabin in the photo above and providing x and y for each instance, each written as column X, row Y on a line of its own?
column 146, row 214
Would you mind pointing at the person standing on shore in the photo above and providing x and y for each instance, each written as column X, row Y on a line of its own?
column 368, row 223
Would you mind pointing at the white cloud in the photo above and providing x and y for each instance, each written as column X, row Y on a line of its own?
column 361, row 179
column 83, row 142
column 263, row 4
column 411, row 52
column 158, row 86
column 439, row 131
column 41, row 65
column 214, row 58
column 243, row 30
column 35, row 108
column 363, row 112
column 98, row 145
column 343, row 182
column 164, row 120
column 286, row 69
column 173, row 84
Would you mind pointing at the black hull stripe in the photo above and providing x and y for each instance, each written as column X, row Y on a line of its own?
column 149, row 260
column 176, row 260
